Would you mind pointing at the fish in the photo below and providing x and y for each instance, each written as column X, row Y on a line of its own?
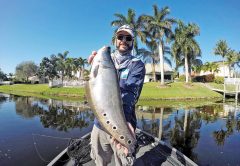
column 103, row 94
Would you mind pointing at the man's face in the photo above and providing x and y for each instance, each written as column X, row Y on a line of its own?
column 124, row 41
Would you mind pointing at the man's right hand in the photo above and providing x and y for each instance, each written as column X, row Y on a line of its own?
column 91, row 57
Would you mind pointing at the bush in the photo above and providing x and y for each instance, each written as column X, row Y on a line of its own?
column 209, row 78
column 181, row 78
column 219, row 80
column 198, row 79
column 204, row 78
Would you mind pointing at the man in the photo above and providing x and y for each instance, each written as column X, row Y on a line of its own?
column 131, row 72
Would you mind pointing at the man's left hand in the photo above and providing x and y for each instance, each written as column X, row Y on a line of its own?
column 118, row 145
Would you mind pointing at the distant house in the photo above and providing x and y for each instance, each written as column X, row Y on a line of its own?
column 168, row 72
column 223, row 70
column 36, row 79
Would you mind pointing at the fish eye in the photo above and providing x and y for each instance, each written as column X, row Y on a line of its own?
column 104, row 114
column 121, row 137
column 129, row 142
column 114, row 128
column 108, row 122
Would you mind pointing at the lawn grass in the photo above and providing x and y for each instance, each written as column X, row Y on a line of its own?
column 193, row 103
column 229, row 87
column 43, row 91
column 216, row 86
column 151, row 91
column 177, row 91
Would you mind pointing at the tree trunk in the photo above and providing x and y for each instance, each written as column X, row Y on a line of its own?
column 186, row 68
column 161, row 61
column 229, row 71
column 185, row 121
column 190, row 72
column 161, row 124
column 50, row 83
column 82, row 73
column 153, row 71
column 62, row 77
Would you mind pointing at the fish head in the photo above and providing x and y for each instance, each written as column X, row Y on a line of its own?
column 102, row 59
column 104, row 54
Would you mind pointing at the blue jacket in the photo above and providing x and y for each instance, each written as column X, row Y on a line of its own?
column 131, row 81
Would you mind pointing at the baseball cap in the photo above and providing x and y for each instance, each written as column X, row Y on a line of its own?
column 127, row 29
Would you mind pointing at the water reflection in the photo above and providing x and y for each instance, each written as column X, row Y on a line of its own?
column 39, row 129
column 185, row 133
column 209, row 134
column 3, row 98
column 182, row 128
column 60, row 115
column 232, row 116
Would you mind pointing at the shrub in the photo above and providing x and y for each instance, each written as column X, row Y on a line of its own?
column 219, row 80
column 181, row 78
column 198, row 79
column 204, row 78
column 209, row 78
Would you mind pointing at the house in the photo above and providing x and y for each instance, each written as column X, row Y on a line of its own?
column 36, row 79
column 168, row 72
column 223, row 70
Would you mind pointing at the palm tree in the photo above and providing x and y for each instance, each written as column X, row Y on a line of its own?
column 231, row 60
column 197, row 68
column 61, row 63
column 221, row 49
column 82, row 63
column 131, row 20
column 150, row 55
column 10, row 76
column 69, row 67
column 160, row 27
column 211, row 66
column 185, row 47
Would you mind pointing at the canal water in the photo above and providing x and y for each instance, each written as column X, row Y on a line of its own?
column 33, row 131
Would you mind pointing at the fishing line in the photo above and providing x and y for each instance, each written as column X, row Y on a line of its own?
column 38, row 153
column 41, row 135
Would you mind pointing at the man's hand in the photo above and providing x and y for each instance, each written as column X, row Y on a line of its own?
column 118, row 145
column 91, row 57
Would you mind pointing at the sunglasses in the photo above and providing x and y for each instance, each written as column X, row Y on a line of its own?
column 126, row 38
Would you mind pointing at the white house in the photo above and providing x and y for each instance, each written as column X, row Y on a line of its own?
column 168, row 72
column 223, row 70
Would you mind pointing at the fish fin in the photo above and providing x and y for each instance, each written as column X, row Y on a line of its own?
column 95, row 71
column 88, row 95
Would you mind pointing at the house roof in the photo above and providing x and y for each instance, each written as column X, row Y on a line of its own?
column 148, row 67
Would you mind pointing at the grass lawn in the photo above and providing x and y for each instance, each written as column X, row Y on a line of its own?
column 215, row 86
column 151, row 91
column 43, row 91
column 177, row 90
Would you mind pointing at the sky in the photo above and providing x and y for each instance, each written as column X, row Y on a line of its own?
column 33, row 29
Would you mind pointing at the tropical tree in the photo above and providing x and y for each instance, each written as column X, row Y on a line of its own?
column 160, row 28
column 150, row 55
column 10, row 76
column 131, row 20
column 48, row 68
column 25, row 70
column 197, row 68
column 232, row 58
column 75, row 65
column 61, row 66
column 82, row 63
column 2, row 75
column 185, row 47
column 69, row 67
column 211, row 66
column 221, row 49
